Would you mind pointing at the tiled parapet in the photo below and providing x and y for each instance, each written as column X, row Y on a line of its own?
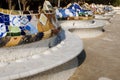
column 17, row 29
column 20, row 33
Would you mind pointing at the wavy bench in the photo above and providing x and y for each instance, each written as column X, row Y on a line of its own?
column 25, row 60
column 20, row 61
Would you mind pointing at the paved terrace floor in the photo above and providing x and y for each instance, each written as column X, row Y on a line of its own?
column 102, row 60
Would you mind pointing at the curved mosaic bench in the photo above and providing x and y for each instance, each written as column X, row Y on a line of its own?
column 84, row 29
column 18, row 61
column 21, row 32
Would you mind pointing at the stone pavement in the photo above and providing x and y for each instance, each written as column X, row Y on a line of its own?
column 102, row 55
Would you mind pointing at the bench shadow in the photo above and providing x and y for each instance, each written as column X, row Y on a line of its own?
column 81, row 57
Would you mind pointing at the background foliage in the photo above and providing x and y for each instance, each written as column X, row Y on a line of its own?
column 112, row 2
column 34, row 4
